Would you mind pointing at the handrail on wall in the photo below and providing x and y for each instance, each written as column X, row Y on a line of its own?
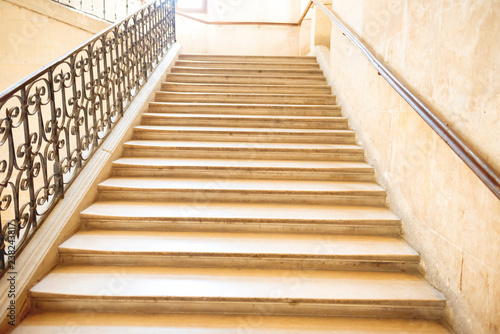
column 478, row 165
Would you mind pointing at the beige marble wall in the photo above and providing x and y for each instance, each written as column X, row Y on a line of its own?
column 448, row 51
column 35, row 32
column 243, row 39
column 305, row 37
column 321, row 25
column 197, row 37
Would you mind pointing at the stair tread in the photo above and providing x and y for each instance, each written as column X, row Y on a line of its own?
column 241, row 211
column 240, row 145
column 190, row 69
column 291, row 106
column 234, row 244
column 228, row 130
column 245, row 85
column 184, row 56
column 246, row 285
column 293, row 99
column 233, row 76
column 250, row 117
column 144, row 183
column 241, row 63
column 252, row 95
column 236, row 163
column 104, row 323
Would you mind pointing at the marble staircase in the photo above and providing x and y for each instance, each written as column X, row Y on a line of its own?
column 243, row 204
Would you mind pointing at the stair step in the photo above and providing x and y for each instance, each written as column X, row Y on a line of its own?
column 243, row 150
column 258, row 169
column 247, row 71
column 246, row 79
column 238, row 250
column 237, row 291
column 245, row 58
column 246, row 65
column 105, row 323
column 312, row 99
column 241, row 217
column 246, row 109
column 241, row 190
column 150, row 132
column 255, row 89
column 246, row 121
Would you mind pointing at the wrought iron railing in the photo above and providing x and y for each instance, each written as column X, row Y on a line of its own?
column 53, row 121
column 108, row 10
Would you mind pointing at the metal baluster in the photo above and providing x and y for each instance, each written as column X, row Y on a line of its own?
column 58, row 175
column 29, row 164
column 173, row 21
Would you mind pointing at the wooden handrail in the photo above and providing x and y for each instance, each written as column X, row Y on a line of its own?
column 304, row 14
column 224, row 23
column 478, row 165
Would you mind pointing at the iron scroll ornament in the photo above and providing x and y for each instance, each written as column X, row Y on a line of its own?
column 52, row 122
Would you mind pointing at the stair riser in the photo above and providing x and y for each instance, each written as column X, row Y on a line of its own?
column 248, row 65
column 247, row 59
column 225, row 261
column 251, row 89
column 249, row 71
column 322, row 111
column 242, row 153
column 376, row 228
column 236, row 137
column 256, row 307
column 340, row 124
column 242, row 173
column 194, row 98
column 249, row 80
column 198, row 196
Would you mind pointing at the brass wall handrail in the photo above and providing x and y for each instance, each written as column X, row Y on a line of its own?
column 477, row 164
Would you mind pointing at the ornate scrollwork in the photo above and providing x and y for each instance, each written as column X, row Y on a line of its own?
column 53, row 122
